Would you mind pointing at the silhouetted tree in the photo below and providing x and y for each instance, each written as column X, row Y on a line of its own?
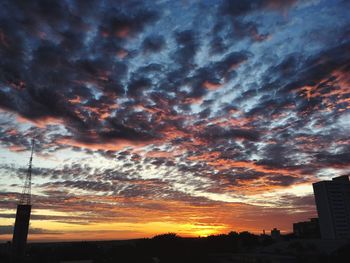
column 167, row 236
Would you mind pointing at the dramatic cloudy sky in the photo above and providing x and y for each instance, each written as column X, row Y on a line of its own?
column 194, row 117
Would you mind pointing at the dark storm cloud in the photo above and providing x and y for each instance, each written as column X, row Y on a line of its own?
column 18, row 141
column 85, row 185
column 8, row 230
column 145, row 188
column 129, row 133
column 327, row 159
column 188, row 44
column 45, row 69
column 250, row 30
column 231, row 62
column 319, row 66
column 67, row 172
column 137, row 86
column 288, row 79
column 283, row 180
column 218, row 101
column 121, row 23
column 11, row 137
column 237, row 8
column 308, row 200
column 217, row 45
column 234, row 25
column 213, row 73
column 217, row 133
column 154, row 43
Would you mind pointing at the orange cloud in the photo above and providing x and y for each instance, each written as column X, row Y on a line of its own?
column 121, row 54
column 211, row 86
column 121, row 218
column 113, row 146
column 123, row 32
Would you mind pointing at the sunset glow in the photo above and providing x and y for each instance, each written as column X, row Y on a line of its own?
column 190, row 117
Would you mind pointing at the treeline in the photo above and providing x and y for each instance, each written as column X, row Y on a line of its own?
column 170, row 248
column 167, row 247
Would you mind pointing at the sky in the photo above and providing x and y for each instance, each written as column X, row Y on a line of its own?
column 192, row 117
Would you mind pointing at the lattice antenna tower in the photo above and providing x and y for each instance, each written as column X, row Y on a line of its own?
column 26, row 192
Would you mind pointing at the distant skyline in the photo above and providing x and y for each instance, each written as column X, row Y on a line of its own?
column 193, row 117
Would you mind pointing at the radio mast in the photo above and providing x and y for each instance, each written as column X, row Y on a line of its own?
column 25, row 198
column 24, row 206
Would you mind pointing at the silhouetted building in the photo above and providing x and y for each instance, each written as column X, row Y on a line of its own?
column 333, row 207
column 307, row 229
column 275, row 234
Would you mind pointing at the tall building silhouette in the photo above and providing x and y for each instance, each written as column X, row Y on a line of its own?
column 333, row 207
column 24, row 207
